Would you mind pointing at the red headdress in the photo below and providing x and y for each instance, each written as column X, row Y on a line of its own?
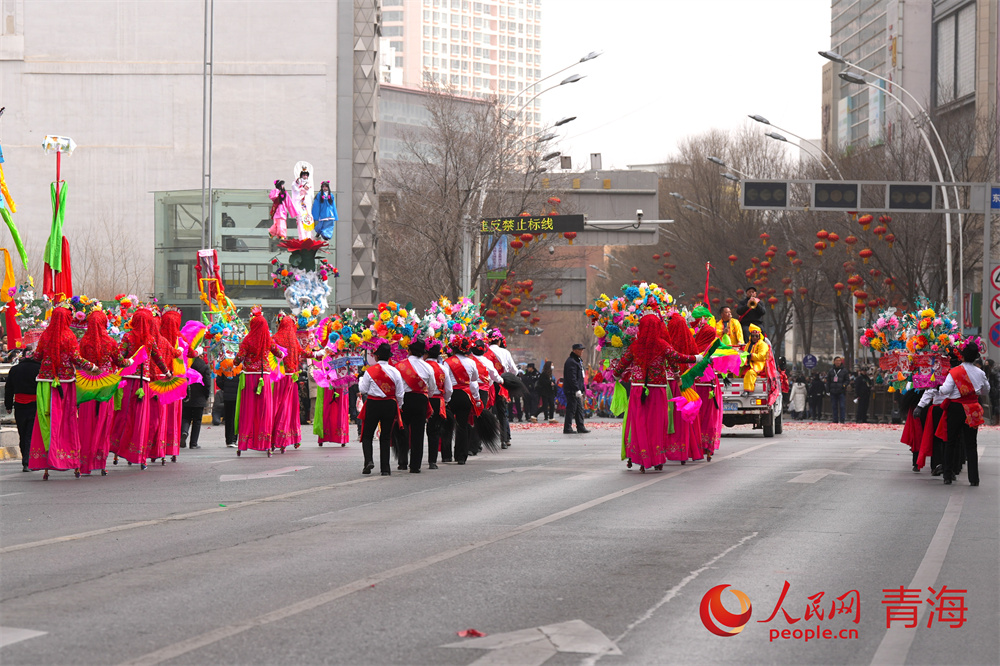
column 57, row 340
column 96, row 345
column 287, row 338
column 170, row 326
column 257, row 343
column 704, row 338
column 679, row 336
column 648, row 345
column 143, row 331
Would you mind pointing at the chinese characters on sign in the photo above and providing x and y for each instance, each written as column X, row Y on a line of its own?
column 532, row 225
column 903, row 604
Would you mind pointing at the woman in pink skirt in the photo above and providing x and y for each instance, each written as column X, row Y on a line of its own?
column 684, row 437
column 96, row 416
column 55, row 440
column 644, row 364
column 130, row 432
column 710, row 392
column 170, row 330
column 255, row 404
column 287, row 428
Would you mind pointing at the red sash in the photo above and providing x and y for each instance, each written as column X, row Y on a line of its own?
column 387, row 386
column 969, row 401
column 439, row 382
column 500, row 390
column 463, row 383
column 410, row 376
column 485, row 383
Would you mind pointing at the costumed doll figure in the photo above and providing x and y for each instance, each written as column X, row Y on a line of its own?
column 97, row 416
column 644, row 366
column 130, row 433
column 303, row 199
column 324, row 211
column 55, row 439
column 287, row 428
column 282, row 207
column 255, row 404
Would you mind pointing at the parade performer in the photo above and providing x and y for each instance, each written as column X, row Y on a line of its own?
column 726, row 325
column 55, row 440
column 418, row 378
column 303, row 199
column 385, row 388
column 130, row 432
column 255, row 404
column 282, row 207
column 490, row 384
column 170, row 331
column 685, row 441
column 324, row 211
column 97, row 416
column 710, row 391
column 287, row 427
column 439, row 425
column 757, row 352
column 465, row 400
column 502, row 362
column 644, row 365
column 927, row 414
column 963, row 415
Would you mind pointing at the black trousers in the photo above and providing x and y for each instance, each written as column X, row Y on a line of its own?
column 191, row 422
column 461, row 404
column 24, row 417
column 500, row 409
column 548, row 406
column 530, row 405
column 435, row 430
column 574, row 410
column 379, row 413
column 861, row 414
column 415, row 421
column 229, row 415
column 961, row 440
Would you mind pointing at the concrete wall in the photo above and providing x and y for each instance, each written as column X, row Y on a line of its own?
column 124, row 80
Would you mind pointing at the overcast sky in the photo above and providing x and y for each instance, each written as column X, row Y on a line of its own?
column 675, row 68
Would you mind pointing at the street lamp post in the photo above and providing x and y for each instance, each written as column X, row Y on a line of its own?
column 837, row 58
column 764, row 121
column 716, row 160
column 854, row 78
column 780, row 137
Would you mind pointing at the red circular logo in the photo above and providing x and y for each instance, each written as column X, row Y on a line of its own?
column 714, row 614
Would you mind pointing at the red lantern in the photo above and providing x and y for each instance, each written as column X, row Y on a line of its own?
column 554, row 200
column 635, row 269
column 569, row 236
column 764, row 237
column 884, row 219
column 496, row 300
column 803, row 291
column 515, row 301
column 773, row 301
column 865, row 254
column 822, row 234
column 527, row 238
column 732, row 259
column 716, row 301
column 861, row 295
column 890, row 239
column 637, row 282
column 889, row 282
column 559, row 293
column 820, row 246
column 525, row 313
column 791, row 254
column 839, row 286
column 660, row 272
column 506, row 291
column 730, row 300
column 788, row 295
column 786, row 281
column 491, row 313
column 865, row 221
column 875, row 273
column 656, row 257
column 880, row 231
column 754, row 260
column 517, row 244
column 855, row 280
column 832, row 238
column 798, row 264
column 666, row 254
column 770, row 254
column 535, row 320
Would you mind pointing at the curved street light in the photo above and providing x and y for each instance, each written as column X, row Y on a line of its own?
column 715, row 160
column 764, row 121
column 780, row 137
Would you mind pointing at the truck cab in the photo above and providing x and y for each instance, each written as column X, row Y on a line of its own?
column 761, row 407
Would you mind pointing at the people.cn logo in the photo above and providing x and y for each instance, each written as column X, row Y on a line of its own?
column 714, row 614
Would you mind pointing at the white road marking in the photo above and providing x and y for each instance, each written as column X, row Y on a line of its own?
column 10, row 635
column 10, row 494
column 813, row 475
column 532, row 647
column 271, row 473
column 895, row 645
column 221, row 633
column 671, row 593
column 181, row 516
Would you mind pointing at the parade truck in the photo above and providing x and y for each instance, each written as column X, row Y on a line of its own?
column 761, row 406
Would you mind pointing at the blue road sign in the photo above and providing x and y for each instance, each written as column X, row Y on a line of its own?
column 809, row 361
column 995, row 198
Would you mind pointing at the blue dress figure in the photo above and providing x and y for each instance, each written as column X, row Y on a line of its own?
column 324, row 211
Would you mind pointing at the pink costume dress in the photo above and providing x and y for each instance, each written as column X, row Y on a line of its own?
column 95, row 420
column 281, row 212
column 336, row 416
column 62, row 450
column 287, row 422
column 255, row 405
column 647, row 434
column 710, row 414
column 130, row 431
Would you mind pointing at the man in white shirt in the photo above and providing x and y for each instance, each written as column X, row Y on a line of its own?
column 385, row 389
column 418, row 378
column 465, row 396
column 438, row 432
column 961, row 390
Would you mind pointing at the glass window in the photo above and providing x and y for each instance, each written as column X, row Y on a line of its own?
column 392, row 31
column 965, row 52
column 392, row 16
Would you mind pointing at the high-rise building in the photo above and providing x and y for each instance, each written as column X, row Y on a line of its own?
column 890, row 38
column 475, row 48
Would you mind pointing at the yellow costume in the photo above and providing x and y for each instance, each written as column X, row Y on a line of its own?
column 756, row 360
column 735, row 331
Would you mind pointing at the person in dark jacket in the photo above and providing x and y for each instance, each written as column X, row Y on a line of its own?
column 817, row 389
column 545, row 387
column 863, row 393
column 573, row 387
column 230, row 387
column 194, row 403
column 750, row 311
column 530, row 380
column 836, row 385
column 19, row 397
